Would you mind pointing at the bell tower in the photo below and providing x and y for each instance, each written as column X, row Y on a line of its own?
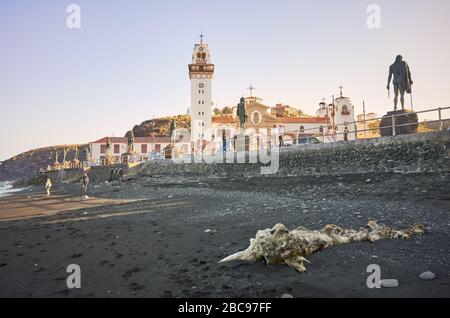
column 201, row 73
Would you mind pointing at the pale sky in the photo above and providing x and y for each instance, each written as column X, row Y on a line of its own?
column 128, row 62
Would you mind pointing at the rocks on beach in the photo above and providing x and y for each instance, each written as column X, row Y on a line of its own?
column 389, row 283
column 427, row 275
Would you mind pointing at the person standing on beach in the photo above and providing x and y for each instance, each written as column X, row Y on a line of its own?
column 48, row 185
column 85, row 182
column 346, row 131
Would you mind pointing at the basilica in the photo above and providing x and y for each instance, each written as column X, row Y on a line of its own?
column 262, row 120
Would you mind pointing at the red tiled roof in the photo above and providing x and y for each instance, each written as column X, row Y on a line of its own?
column 300, row 120
column 114, row 140
column 223, row 119
column 137, row 140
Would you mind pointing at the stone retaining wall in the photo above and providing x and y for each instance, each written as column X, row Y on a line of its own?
column 427, row 152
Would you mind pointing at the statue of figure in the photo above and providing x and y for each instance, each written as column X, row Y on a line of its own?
column 130, row 141
column 241, row 113
column 173, row 126
column 87, row 153
column 108, row 145
column 402, row 80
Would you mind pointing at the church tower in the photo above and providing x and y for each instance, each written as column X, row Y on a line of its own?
column 201, row 73
column 345, row 114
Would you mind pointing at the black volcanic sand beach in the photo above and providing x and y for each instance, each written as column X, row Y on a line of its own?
column 163, row 237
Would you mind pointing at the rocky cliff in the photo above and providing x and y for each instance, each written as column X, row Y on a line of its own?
column 160, row 126
column 27, row 164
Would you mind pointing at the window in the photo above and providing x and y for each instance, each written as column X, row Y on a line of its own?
column 345, row 110
column 102, row 149
column 199, row 113
column 203, row 113
column 302, row 129
column 144, row 148
column 157, row 147
column 199, row 55
column 321, row 129
column 199, row 102
column 201, row 85
column 204, row 56
column 116, row 148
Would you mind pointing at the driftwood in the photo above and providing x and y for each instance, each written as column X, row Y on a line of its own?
column 281, row 246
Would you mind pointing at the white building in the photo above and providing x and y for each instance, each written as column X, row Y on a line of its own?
column 340, row 115
column 143, row 147
column 262, row 121
column 201, row 73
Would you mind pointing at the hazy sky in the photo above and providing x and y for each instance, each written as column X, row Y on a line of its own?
column 128, row 62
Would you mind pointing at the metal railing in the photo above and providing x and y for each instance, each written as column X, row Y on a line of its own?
column 327, row 135
column 327, row 132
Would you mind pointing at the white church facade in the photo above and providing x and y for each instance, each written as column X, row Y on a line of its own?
column 262, row 119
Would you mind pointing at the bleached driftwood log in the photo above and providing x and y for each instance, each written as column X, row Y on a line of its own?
column 281, row 246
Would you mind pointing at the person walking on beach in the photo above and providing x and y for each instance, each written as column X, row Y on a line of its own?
column 48, row 185
column 121, row 177
column 85, row 182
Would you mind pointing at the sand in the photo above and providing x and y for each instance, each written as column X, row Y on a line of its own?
column 163, row 237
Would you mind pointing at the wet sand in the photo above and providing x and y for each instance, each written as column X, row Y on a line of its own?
column 163, row 237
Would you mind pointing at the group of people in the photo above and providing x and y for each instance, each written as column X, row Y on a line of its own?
column 334, row 132
column 278, row 132
column 84, row 183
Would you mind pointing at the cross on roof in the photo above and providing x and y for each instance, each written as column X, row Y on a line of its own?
column 251, row 88
column 341, row 88
column 201, row 38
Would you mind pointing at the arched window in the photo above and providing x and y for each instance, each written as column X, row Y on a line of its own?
column 302, row 129
column 345, row 110
column 204, row 56
column 199, row 55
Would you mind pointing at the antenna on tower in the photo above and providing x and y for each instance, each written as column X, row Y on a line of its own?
column 201, row 38
column 341, row 88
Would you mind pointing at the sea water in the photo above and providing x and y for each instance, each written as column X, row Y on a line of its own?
column 6, row 187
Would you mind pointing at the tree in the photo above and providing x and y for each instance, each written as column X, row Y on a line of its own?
column 217, row 111
column 226, row 110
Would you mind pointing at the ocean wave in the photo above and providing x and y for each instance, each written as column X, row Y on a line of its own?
column 6, row 188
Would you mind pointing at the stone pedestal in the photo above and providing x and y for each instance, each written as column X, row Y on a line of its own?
column 168, row 152
column 406, row 122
